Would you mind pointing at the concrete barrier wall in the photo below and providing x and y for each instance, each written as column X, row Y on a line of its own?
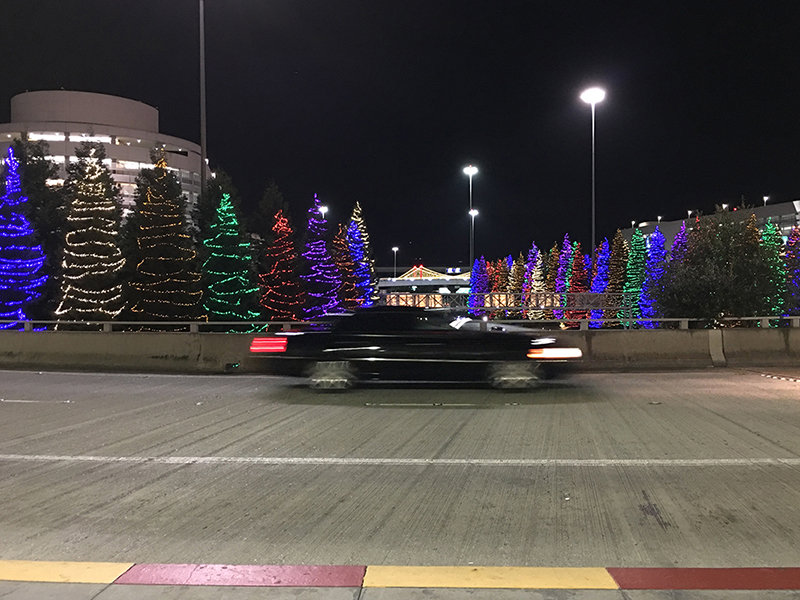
column 218, row 352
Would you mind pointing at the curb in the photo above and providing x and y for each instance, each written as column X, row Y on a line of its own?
column 381, row 576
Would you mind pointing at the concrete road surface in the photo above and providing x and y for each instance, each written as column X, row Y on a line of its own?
column 686, row 469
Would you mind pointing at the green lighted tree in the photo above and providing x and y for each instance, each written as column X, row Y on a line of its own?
column 774, row 286
column 635, row 271
column 230, row 293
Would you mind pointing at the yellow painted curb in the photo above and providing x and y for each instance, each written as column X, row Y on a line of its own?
column 61, row 572
column 490, row 577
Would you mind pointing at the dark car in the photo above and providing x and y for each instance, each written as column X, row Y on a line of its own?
column 411, row 344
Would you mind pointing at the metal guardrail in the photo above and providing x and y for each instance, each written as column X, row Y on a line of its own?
column 583, row 324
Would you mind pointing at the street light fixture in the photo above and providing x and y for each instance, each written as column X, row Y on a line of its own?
column 659, row 220
column 323, row 210
column 472, row 213
column 765, row 200
column 395, row 249
column 593, row 96
column 470, row 171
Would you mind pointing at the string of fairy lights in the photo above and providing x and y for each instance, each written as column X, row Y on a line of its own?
column 21, row 259
column 90, row 287
column 328, row 276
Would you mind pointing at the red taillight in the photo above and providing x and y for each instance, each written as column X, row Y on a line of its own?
column 268, row 344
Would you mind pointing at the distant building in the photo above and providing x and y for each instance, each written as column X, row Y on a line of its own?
column 785, row 215
column 127, row 128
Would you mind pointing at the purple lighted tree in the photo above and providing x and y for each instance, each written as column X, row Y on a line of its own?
column 679, row 244
column 320, row 274
column 20, row 259
column 793, row 273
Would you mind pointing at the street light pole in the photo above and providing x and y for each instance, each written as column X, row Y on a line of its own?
column 203, row 150
column 470, row 171
column 593, row 96
column 395, row 249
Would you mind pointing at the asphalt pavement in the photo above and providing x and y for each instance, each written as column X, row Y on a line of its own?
column 692, row 469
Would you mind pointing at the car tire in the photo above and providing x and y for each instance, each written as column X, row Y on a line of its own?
column 513, row 375
column 331, row 375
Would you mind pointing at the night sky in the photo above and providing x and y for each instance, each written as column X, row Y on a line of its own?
column 385, row 102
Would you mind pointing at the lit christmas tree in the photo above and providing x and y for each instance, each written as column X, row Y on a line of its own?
column 91, row 288
column 321, row 277
column 20, row 259
column 349, row 295
column 654, row 271
column 578, row 282
column 553, row 258
column 478, row 287
column 527, row 278
column 600, row 270
column 361, row 253
column 564, row 273
column 617, row 264
column 679, row 244
column 229, row 290
column 167, row 285
column 282, row 296
column 516, row 280
column 537, row 289
column 634, row 273
column 500, row 285
column 774, row 290
column 793, row 273
column 491, row 274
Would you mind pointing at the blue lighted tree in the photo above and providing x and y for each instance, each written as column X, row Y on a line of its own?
column 653, row 272
column 564, row 274
column 322, row 281
column 21, row 259
column 600, row 271
column 361, row 253
column 479, row 286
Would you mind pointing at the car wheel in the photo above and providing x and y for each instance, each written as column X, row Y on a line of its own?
column 332, row 375
column 513, row 375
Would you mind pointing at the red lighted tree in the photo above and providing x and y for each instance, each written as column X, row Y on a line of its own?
column 282, row 296
column 578, row 283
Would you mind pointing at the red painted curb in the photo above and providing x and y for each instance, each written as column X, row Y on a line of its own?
column 707, row 579
column 245, row 575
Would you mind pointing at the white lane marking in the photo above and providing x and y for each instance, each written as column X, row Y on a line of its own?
column 36, row 401
column 411, row 462
column 427, row 404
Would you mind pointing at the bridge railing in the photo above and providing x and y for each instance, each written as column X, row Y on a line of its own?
column 212, row 327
